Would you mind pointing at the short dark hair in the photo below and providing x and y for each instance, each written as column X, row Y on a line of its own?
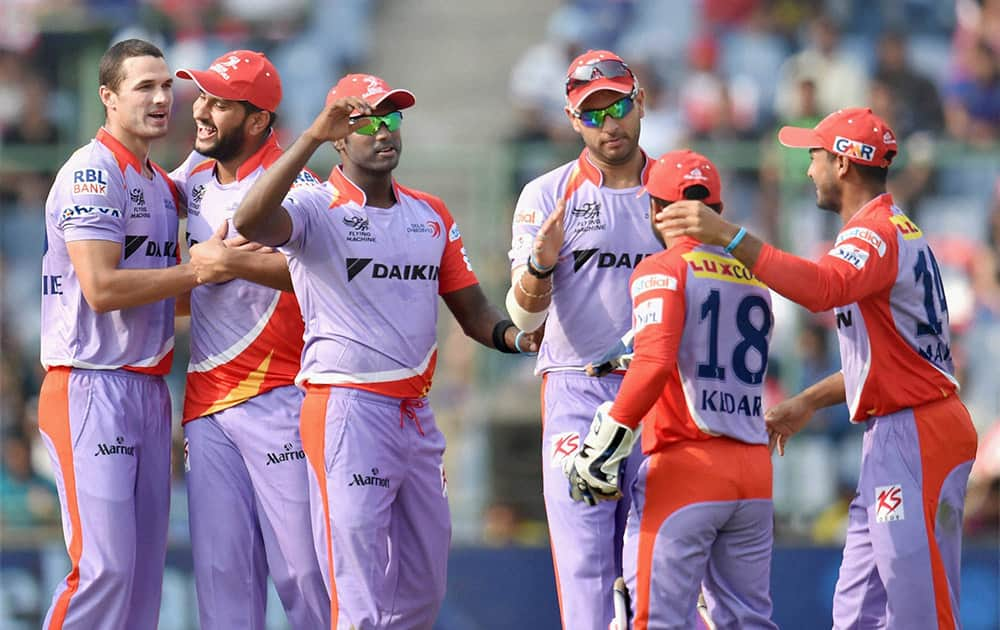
column 110, row 73
column 250, row 108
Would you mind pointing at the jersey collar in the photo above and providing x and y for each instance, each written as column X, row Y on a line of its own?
column 264, row 157
column 124, row 157
column 589, row 171
column 348, row 191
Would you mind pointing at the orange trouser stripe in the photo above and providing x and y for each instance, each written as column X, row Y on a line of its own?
column 312, row 429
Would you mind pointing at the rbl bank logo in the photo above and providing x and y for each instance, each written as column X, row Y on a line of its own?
column 889, row 503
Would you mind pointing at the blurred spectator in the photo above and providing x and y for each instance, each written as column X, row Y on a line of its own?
column 915, row 176
column 713, row 105
column 26, row 499
column 662, row 124
column 32, row 124
column 840, row 81
column 917, row 103
column 972, row 105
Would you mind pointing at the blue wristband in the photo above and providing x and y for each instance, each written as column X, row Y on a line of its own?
column 733, row 244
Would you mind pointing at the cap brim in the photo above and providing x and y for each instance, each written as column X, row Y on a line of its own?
column 800, row 138
column 621, row 85
column 205, row 82
column 400, row 98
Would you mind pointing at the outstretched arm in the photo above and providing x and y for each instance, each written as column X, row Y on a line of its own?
column 260, row 216
column 478, row 319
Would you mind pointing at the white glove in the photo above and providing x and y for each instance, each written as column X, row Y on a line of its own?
column 594, row 472
column 619, row 357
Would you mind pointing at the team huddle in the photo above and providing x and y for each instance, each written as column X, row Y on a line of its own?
column 311, row 453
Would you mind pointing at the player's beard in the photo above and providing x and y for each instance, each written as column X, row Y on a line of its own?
column 828, row 196
column 226, row 146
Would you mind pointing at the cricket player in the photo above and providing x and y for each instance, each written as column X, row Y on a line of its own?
column 369, row 259
column 903, row 549
column 248, row 493
column 109, row 274
column 702, row 325
column 578, row 233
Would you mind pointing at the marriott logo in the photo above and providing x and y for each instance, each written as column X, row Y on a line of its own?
column 357, row 479
column 118, row 448
column 289, row 453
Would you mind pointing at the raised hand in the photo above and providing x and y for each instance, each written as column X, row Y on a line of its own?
column 334, row 122
column 549, row 238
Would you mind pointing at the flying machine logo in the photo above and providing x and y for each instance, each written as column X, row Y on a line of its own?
column 359, row 229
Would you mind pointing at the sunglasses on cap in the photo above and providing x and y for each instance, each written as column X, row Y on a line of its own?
column 594, row 118
column 392, row 121
column 604, row 68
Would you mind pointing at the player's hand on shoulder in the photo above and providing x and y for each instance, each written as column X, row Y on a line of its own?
column 785, row 420
column 549, row 237
column 594, row 472
column 334, row 122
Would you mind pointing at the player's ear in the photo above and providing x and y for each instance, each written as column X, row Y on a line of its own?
column 108, row 97
column 573, row 120
column 842, row 164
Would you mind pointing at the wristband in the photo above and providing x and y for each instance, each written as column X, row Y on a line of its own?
column 733, row 244
column 498, row 337
column 534, row 296
column 539, row 272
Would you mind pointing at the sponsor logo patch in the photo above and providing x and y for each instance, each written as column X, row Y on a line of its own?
column 605, row 260
column 119, row 447
column 906, row 227
column 587, row 218
column 866, row 235
column 90, row 181
column 646, row 313
column 853, row 148
column 360, row 230
column 70, row 213
column 889, row 503
column 382, row 271
column 358, row 479
column 304, row 178
column 851, row 254
column 707, row 265
column 561, row 446
column 288, row 453
column 428, row 227
column 453, row 233
column 653, row 282
column 528, row 217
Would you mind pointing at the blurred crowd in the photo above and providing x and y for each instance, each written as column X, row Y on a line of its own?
column 719, row 75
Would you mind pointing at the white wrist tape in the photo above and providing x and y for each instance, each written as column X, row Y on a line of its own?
column 525, row 320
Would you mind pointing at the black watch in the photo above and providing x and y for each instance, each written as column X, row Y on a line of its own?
column 538, row 273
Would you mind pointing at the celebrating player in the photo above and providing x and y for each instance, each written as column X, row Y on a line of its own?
column 902, row 554
column 368, row 259
column 578, row 232
column 702, row 326
column 109, row 276
column 248, row 493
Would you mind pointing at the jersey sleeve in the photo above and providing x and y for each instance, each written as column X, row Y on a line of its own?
column 302, row 203
column 658, row 309
column 90, row 203
column 863, row 261
column 529, row 214
column 456, row 269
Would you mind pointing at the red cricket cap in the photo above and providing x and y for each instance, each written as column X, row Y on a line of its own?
column 676, row 171
column 240, row 75
column 597, row 70
column 372, row 89
column 856, row 133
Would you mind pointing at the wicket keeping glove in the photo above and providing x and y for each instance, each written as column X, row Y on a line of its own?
column 618, row 357
column 594, row 472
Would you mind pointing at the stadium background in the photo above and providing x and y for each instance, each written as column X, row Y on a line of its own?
column 720, row 75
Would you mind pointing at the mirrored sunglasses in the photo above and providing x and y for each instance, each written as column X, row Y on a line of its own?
column 594, row 118
column 392, row 121
column 605, row 68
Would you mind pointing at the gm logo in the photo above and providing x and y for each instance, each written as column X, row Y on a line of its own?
column 853, row 148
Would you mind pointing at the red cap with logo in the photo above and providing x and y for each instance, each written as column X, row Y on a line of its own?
column 372, row 89
column 676, row 171
column 240, row 75
column 597, row 70
column 856, row 133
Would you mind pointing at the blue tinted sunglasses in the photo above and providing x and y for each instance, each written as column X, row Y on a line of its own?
column 594, row 118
